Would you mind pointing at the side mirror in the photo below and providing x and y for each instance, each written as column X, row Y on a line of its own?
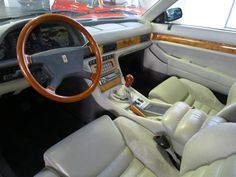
column 172, row 14
column 169, row 15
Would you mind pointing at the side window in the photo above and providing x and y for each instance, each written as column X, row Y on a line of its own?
column 220, row 14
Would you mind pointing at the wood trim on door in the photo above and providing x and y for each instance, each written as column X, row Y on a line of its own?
column 215, row 46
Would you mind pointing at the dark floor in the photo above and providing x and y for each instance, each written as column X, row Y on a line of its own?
column 29, row 125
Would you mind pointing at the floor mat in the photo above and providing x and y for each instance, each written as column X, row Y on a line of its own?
column 28, row 127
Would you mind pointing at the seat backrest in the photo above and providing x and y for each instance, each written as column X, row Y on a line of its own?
column 47, row 172
column 228, row 113
column 211, row 153
column 232, row 95
column 89, row 150
column 181, row 122
column 170, row 91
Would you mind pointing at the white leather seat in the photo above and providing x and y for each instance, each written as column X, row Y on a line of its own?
column 124, row 148
column 107, row 149
column 181, row 122
column 173, row 90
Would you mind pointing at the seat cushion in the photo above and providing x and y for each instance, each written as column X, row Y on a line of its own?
column 47, row 172
column 136, row 168
column 170, row 91
column 141, row 144
column 173, row 90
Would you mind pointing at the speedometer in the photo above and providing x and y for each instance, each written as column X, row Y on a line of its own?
column 54, row 37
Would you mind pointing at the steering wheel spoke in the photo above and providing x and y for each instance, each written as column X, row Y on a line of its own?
column 54, row 83
column 84, row 74
column 28, row 60
column 86, row 51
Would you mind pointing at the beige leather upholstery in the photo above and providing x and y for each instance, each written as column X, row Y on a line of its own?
column 220, row 168
column 181, row 122
column 211, row 153
column 108, row 149
column 228, row 112
column 232, row 95
column 47, row 172
column 126, row 149
column 173, row 90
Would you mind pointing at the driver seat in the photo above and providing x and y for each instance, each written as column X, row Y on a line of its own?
column 124, row 148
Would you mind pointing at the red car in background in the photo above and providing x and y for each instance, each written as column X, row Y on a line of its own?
column 98, row 8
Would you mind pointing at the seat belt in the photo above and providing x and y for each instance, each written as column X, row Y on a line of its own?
column 163, row 142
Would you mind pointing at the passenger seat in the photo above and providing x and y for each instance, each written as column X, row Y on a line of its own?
column 174, row 90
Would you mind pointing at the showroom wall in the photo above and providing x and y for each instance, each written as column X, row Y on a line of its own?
column 34, row 3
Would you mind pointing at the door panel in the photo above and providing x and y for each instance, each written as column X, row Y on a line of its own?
column 202, row 57
column 210, row 63
column 194, row 32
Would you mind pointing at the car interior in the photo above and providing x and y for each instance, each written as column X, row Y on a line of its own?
column 126, row 96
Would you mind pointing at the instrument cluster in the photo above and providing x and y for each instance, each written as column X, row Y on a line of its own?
column 44, row 37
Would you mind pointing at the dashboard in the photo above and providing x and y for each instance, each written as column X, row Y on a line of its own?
column 113, row 39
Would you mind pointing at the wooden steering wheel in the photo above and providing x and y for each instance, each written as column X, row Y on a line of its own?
column 60, row 62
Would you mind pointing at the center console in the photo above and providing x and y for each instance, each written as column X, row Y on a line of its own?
column 147, row 107
column 121, row 95
column 111, row 75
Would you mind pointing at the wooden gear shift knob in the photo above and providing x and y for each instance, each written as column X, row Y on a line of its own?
column 129, row 79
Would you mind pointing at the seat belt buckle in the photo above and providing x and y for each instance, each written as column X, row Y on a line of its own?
column 162, row 141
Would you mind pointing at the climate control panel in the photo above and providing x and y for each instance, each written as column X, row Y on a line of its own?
column 110, row 72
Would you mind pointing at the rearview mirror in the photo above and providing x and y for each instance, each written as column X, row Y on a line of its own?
column 172, row 14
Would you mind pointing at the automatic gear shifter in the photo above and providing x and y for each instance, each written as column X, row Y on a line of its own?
column 123, row 93
column 129, row 79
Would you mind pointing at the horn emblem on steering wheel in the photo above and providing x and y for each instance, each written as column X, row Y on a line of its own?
column 65, row 59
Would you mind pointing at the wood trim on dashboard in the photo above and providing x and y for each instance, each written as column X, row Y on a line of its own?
column 128, row 42
column 215, row 46
column 110, row 84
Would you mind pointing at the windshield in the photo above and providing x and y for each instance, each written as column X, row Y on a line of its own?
column 79, row 8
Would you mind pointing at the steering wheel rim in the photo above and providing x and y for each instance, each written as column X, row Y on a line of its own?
column 25, row 60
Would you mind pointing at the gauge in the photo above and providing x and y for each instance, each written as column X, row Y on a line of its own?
column 44, row 37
